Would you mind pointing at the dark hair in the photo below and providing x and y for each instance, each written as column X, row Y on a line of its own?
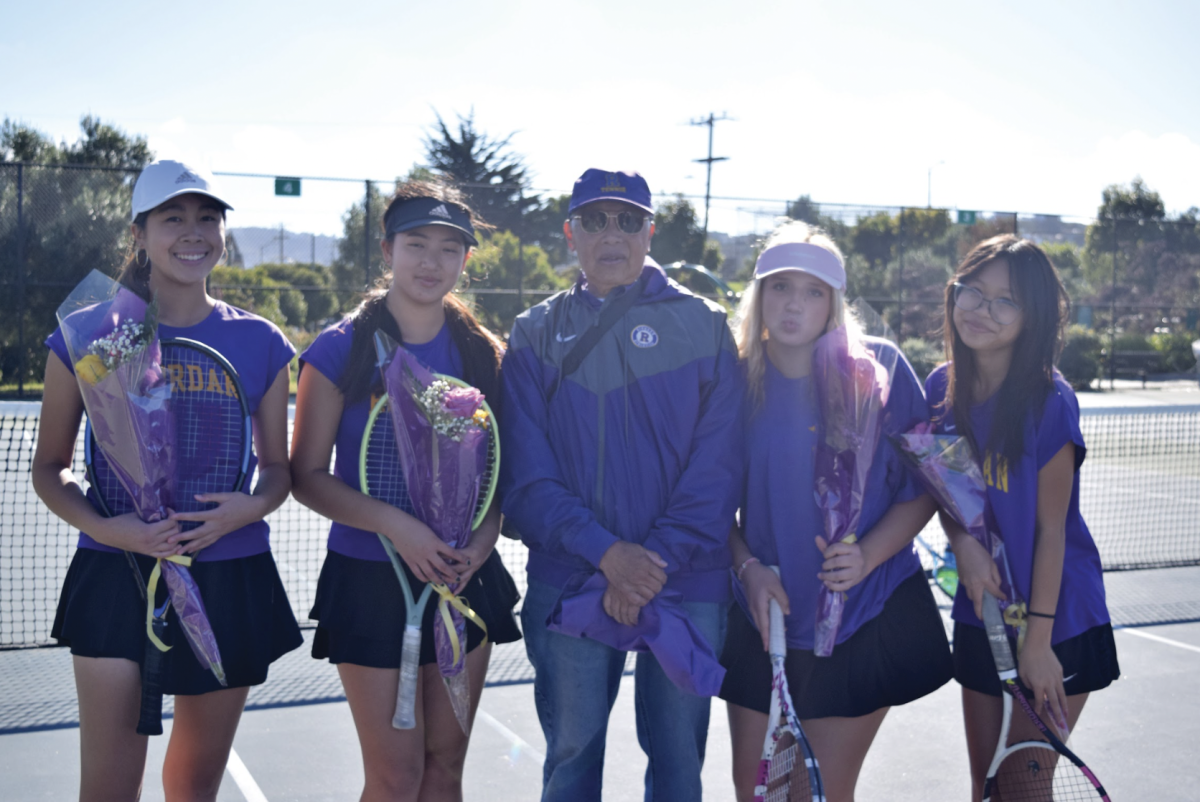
column 1038, row 289
column 480, row 349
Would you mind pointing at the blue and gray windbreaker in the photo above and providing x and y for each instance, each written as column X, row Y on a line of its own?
column 642, row 443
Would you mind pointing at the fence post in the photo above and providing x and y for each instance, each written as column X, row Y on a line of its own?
column 22, row 363
column 900, row 282
column 367, row 235
column 520, row 250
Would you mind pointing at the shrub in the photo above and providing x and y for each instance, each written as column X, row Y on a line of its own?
column 1079, row 362
column 924, row 355
column 1176, row 350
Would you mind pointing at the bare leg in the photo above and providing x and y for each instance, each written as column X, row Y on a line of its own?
column 445, row 742
column 201, row 738
column 840, row 746
column 393, row 760
column 112, row 755
column 747, row 729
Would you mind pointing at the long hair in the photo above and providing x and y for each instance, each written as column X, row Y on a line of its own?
column 1039, row 291
column 480, row 349
column 748, row 329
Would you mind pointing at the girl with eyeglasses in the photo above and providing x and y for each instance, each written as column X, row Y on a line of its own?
column 1005, row 315
column 428, row 234
column 891, row 646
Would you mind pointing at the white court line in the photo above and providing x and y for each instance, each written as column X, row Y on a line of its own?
column 519, row 744
column 1160, row 639
column 241, row 776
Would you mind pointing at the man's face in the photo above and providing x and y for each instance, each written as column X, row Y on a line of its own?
column 610, row 258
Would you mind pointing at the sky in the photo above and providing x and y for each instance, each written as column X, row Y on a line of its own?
column 1022, row 106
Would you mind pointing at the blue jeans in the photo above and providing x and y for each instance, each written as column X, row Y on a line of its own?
column 575, row 686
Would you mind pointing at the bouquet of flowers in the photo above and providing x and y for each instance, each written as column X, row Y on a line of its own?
column 946, row 466
column 112, row 339
column 442, row 434
column 852, row 389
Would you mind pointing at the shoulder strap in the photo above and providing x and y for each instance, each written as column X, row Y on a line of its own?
column 608, row 318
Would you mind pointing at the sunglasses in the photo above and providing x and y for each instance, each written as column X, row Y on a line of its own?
column 594, row 221
column 1002, row 310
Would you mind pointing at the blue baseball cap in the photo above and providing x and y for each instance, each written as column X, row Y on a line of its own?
column 625, row 186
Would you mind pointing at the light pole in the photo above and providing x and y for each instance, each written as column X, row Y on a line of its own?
column 929, row 185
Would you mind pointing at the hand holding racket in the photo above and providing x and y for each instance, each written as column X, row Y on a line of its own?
column 1029, row 770
column 788, row 771
column 382, row 478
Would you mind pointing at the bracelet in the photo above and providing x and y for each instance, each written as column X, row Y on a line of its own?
column 742, row 567
column 1038, row 615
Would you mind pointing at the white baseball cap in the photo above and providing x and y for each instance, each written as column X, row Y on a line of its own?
column 166, row 179
column 805, row 257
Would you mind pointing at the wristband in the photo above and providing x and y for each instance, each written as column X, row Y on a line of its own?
column 742, row 567
column 1038, row 615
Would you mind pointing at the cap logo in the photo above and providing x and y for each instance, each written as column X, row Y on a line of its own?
column 187, row 177
column 612, row 183
column 440, row 211
column 643, row 336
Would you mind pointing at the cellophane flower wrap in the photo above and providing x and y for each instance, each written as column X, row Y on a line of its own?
column 948, row 469
column 441, row 432
column 852, row 389
column 111, row 336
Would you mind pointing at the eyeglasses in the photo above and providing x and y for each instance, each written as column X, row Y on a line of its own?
column 1002, row 310
column 594, row 221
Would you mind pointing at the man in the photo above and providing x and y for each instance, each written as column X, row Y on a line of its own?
column 622, row 471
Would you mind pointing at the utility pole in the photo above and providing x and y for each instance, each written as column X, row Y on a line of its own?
column 281, row 243
column 711, row 120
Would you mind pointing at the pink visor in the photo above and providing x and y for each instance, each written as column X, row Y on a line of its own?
column 803, row 256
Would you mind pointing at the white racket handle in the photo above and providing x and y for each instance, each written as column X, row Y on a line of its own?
column 777, row 643
column 406, row 692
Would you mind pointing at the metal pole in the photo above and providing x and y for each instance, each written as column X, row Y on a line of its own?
column 900, row 282
column 312, row 252
column 367, row 235
column 711, row 121
column 520, row 249
column 281, row 243
column 22, row 365
column 1112, row 334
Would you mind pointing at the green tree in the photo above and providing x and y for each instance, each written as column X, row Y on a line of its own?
column 488, row 172
column 71, row 222
column 359, row 260
column 311, row 302
column 498, row 264
column 255, row 291
column 544, row 227
column 677, row 233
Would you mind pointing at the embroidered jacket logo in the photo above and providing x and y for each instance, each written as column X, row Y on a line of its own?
column 440, row 211
column 644, row 337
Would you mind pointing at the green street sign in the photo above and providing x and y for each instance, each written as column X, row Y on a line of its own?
column 964, row 218
column 290, row 186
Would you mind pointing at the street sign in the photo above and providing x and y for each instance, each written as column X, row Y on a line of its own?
column 290, row 186
column 964, row 218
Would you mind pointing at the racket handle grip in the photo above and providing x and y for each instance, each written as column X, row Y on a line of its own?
column 406, row 692
column 777, row 638
column 150, row 709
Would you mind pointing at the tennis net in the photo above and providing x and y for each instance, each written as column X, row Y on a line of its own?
column 1140, row 495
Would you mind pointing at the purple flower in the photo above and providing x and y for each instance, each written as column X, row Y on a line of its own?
column 462, row 401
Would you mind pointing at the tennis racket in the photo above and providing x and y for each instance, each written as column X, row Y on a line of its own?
column 788, row 771
column 213, row 439
column 945, row 569
column 1029, row 770
column 382, row 477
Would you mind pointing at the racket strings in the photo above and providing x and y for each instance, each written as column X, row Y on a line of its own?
column 1039, row 774
column 384, row 474
column 787, row 776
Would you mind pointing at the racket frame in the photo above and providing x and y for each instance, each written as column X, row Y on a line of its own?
column 151, row 704
column 1006, row 669
column 782, row 709
column 404, row 717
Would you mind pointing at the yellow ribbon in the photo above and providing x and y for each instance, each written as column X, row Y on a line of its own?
column 1014, row 616
column 152, row 590
column 448, row 600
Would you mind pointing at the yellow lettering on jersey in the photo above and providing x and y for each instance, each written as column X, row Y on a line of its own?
column 230, row 390
column 214, row 384
column 194, row 378
column 1002, row 474
column 176, row 374
column 987, row 470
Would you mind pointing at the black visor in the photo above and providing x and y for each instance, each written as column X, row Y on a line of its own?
column 417, row 212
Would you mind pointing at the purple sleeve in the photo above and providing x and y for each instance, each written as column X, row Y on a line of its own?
column 58, row 345
column 328, row 353
column 1059, row 425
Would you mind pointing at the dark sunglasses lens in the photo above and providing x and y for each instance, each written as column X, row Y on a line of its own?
column 593, row 222
column 631, row 222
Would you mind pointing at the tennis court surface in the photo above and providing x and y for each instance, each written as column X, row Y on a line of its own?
column 297, row 742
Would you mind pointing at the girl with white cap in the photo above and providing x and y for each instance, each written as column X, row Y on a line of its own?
column 179, row 237
column 891, row 646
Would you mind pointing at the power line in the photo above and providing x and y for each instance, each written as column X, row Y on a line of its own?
column 710, row 121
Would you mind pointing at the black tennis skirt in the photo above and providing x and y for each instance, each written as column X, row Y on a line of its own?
column 1089, row 660
column 360, row 611
column 897, row 657
column 102, row 614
